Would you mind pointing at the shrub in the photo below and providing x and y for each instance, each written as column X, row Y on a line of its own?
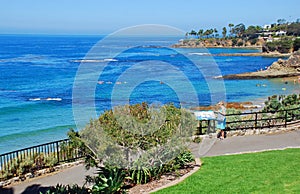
column 184, row 158
column 76, row 142
column 282, row 102
column 240, row 43
column 253, row 41
column 136, row 130
column 282, row 46
column 296, row 44
column 143, row 174
column 270, row 47
column 277, row 104
column 234, row 41
column 67, row 189
column 233, row 118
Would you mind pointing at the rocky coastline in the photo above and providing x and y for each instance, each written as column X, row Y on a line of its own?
column 217, row 43
column 279, row 69
column 257, row 54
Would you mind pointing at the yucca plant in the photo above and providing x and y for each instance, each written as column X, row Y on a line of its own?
column 140, row 175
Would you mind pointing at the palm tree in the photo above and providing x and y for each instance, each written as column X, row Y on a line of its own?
column 207, row 33
column 193, row 33
column 186, row 35
column 224, row 32
column 200, row 33
column 230, row 28
column 211, row 31
column 215, row 31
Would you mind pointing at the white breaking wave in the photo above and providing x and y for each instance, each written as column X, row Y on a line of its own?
column 201, row 54
column 34, row 99
column 94, row 60
column 45, row 99
column 54, row 99
column 107, row 60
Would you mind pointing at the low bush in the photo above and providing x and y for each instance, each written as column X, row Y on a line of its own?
column 296, row 44
column 282, row 46
column 276, row 110
column 67, row 189
column 277, row 104
column 22, row 165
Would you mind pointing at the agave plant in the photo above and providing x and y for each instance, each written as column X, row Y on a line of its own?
column 109, row 180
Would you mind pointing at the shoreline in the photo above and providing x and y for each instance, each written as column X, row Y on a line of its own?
column 261, row 75
column 221, row 47
column 259, row 54
column 252, row 54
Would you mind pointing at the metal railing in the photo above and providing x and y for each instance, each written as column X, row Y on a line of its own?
column 256, row 120
column 39, row 156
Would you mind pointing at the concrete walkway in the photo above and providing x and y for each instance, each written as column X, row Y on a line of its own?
column 73, row 175
column 209, row 147
column 255, row 143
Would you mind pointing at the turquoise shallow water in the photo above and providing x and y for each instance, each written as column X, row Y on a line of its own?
column 37, row 75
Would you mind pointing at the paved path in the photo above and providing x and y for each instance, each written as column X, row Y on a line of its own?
column 75, row 174
column 255, row 143
column 209, row 147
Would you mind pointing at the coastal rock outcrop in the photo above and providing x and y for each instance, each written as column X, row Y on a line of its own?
column 192, row 43
column 280, row 68
column 215, row 42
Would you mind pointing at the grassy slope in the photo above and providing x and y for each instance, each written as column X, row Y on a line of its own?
column 266, row 172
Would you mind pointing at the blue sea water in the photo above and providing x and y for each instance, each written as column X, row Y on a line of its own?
column 37, row 76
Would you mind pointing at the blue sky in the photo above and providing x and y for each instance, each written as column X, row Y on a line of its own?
column 106, row 16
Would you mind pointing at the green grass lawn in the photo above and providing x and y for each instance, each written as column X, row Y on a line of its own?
column 265, row 172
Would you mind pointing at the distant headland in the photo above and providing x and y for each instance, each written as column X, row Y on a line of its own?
column 280, row 37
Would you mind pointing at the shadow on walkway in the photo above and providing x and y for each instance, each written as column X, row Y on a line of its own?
column 6, row 190
column 33, row 189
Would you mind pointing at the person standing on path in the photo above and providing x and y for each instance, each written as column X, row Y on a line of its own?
column 221, row 119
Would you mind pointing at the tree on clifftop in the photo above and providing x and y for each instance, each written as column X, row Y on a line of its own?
column 293, row 29
column 224, row 32
column 208, row 32
column 252, row 32
column 281, row 21
column 215, row 31
column 200, row 33
column 193, row 33
column 230, row 28
column 239, row 29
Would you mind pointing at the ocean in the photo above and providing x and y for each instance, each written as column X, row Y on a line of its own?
column 44, row 78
